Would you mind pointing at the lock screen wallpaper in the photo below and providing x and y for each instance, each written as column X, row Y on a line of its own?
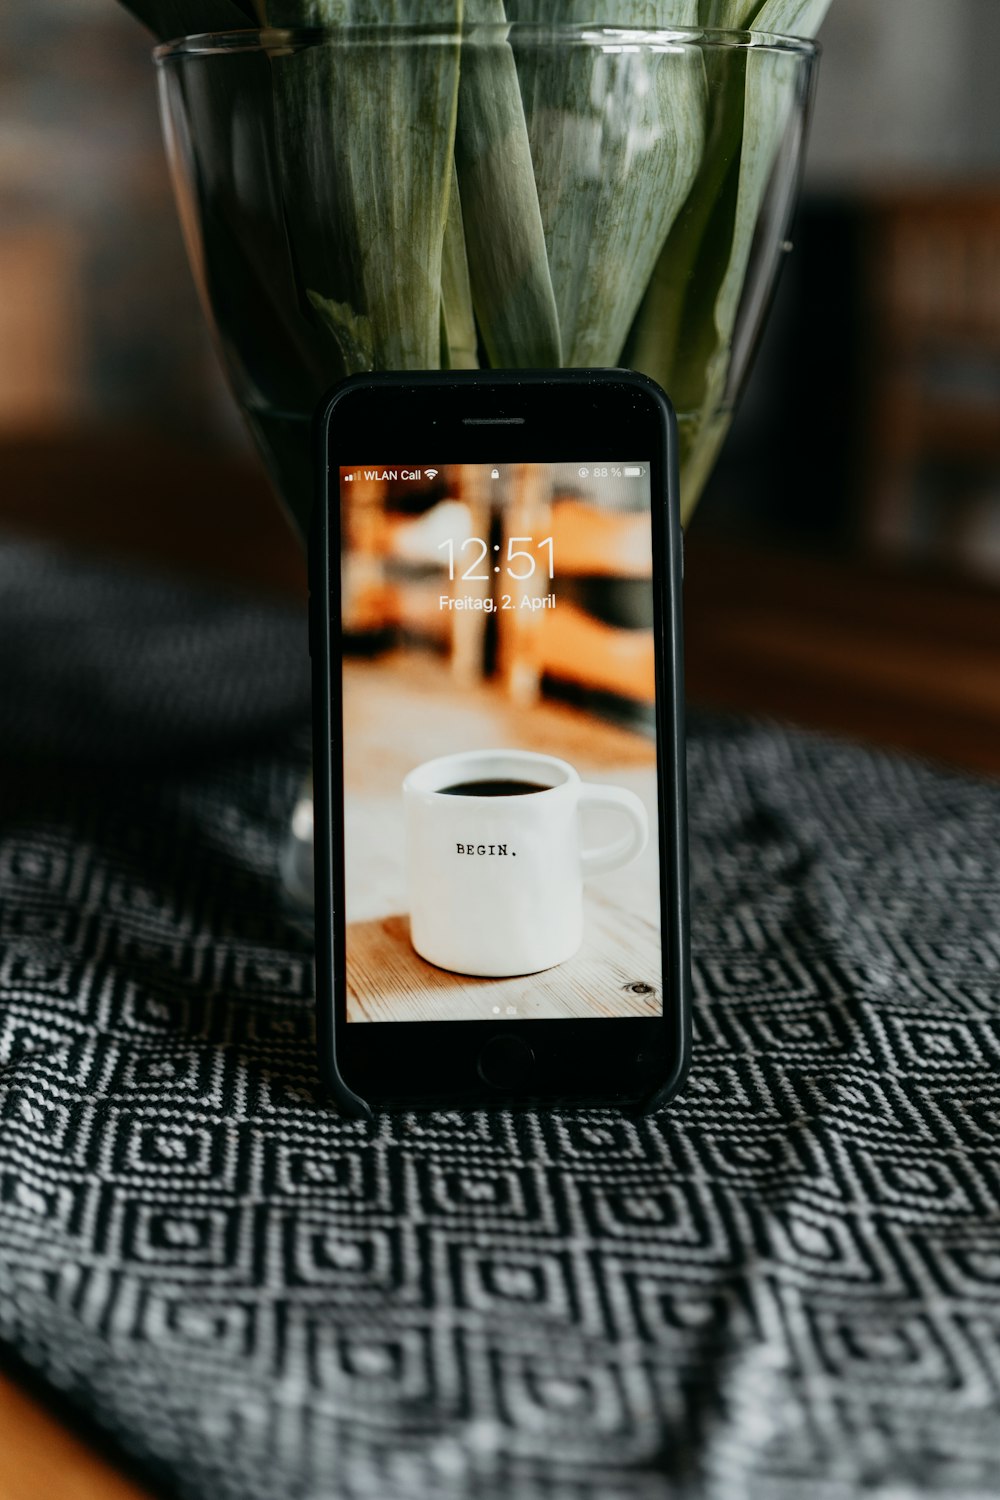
column 500, row 792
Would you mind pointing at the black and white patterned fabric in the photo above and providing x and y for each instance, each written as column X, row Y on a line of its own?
column 787, row 1284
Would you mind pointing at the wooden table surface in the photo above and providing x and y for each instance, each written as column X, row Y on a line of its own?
column 42, row 1457
column 885, row 656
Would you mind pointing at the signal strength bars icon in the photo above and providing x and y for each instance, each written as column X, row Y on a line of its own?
column 430, row 473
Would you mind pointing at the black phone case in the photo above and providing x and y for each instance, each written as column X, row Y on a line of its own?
column 323, row 632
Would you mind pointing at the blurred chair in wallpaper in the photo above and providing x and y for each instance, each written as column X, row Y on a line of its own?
column 599, row 642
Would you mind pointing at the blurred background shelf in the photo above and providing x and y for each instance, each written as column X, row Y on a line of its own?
column 887, row 651
column 881, row 652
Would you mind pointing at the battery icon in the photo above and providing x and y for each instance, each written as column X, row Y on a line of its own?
column 633, row 471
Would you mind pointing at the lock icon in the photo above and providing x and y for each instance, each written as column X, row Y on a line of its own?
column 495, row 474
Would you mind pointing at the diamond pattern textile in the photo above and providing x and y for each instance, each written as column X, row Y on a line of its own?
column 785, row 1284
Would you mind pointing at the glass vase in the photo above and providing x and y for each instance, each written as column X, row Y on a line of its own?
column 400, row 197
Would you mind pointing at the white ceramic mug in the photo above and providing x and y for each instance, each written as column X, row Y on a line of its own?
column 496, row 882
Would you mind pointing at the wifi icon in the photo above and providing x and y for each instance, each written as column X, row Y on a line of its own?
column 430, row 473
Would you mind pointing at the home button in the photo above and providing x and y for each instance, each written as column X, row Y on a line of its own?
column 506, row 1062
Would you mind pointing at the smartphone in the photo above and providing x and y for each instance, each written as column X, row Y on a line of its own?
column 500, row 825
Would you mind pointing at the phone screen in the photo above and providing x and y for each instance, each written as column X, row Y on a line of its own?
column 498, row 680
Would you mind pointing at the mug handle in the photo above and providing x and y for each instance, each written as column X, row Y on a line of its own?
column 623, row 850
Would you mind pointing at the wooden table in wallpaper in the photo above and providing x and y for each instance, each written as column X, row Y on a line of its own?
column 408, row 709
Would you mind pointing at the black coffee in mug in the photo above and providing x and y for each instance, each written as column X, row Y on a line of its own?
column 493, row 787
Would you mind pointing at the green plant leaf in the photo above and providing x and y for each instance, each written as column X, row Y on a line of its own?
column 352, row 332
column 509, row 284
column 366, row 135
column 782, row 17
column 616, row 138
column 508, row 266
column 638, row 15
column 674, row 335
column 789, row 17
column 458, row 323
column 726, row 15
